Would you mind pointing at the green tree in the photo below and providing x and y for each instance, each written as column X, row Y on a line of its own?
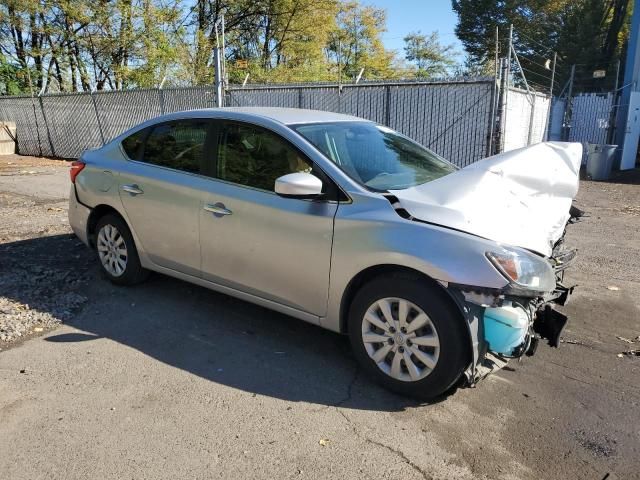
column 356, row 42
column 72, row 45
column 431, row 58
column 589, row 32
column 10, row 83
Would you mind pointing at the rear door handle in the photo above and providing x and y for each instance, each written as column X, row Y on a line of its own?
column 132, row 189
column 217, row 209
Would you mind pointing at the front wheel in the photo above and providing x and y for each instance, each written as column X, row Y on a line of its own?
column 408, row 336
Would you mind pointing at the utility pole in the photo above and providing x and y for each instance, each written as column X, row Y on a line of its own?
column 224, row 60
column 218, row 67
column 339, row 65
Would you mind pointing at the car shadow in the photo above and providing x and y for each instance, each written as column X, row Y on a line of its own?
column 208, row 334
column 625, row 177
column 618, row 177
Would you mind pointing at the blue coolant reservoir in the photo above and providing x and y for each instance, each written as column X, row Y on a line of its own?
column 505, row 328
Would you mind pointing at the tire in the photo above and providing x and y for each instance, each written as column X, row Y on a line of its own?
column 117, row 253
column 437, row 349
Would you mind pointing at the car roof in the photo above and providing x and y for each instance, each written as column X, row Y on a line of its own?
column 286, row 116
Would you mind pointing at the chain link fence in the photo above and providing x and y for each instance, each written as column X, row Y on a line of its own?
column 591, row 116
column 451, row 118
column 454, row 118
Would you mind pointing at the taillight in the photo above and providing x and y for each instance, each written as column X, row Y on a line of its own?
column 76, row 168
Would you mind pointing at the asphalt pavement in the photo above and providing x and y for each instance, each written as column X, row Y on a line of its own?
column 170, row 380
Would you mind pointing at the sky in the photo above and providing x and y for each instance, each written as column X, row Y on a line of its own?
column 404, row 16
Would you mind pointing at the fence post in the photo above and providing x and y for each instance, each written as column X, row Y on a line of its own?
column 532, row 116
column 46, row 125
column 387, row 105
column 547, row 127
column 218, row 73
column 300, row 97
column 495, row 90
column 507, row 85
column 161, row 94
column 35, row 118
column 502, row 107
column 614, row 108
column 95, row 109
column 567, row 107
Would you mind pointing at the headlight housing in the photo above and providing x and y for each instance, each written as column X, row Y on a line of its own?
column 523, row 269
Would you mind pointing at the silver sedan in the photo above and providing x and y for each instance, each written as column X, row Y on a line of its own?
column 434, row 272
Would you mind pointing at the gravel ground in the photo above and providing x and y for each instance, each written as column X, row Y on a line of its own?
column 169, row 380
column 39, row 288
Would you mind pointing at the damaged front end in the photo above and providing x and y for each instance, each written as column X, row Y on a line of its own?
column 510, row 323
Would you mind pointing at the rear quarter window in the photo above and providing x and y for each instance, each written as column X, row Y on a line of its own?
column 133, row 143
column 178, row 145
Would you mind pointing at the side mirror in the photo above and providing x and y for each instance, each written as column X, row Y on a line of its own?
column 298, row 185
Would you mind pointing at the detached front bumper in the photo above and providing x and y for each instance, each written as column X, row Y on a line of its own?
column 548, row 322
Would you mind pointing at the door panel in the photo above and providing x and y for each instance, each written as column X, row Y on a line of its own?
column 273, row 247
column 162, row 190
column 165, row 217
column 256, row 241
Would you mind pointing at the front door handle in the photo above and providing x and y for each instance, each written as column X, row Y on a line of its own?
column 132, row 189
column 217, row 209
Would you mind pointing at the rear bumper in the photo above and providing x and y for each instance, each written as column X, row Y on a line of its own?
column 78, row 217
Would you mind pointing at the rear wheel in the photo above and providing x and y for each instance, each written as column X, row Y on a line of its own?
column 117, row 251
column 408, row 336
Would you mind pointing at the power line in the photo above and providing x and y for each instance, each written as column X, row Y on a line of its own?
column 538, row 74
column 598, row 62
column 539, row 86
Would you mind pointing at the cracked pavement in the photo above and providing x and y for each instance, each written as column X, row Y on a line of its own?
column 169, row 380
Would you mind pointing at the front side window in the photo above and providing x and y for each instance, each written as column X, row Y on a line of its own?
column 178, row 145
column 375, row 156
column 254, row 157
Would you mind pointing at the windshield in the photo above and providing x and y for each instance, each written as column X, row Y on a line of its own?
column 376, row 156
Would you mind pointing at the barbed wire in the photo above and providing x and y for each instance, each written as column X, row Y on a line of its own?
column 534, row 62
column 520, row 34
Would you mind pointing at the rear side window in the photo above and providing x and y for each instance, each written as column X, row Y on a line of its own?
column 255, row 157
column 132, row 144
column 178, row 145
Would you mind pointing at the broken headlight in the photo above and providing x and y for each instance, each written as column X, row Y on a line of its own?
column 523, row 269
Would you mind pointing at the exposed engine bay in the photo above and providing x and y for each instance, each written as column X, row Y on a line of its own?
column 509, row 327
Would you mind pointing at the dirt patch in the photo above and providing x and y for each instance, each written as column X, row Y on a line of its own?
column 23, row 163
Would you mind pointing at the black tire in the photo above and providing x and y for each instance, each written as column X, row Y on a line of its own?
column 454, row 349
column 133, row 272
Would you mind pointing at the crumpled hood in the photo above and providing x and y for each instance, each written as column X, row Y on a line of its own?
column 521, row 197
